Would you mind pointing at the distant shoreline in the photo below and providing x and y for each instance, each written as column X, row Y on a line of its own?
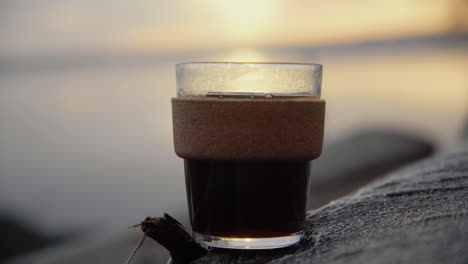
column 51, row 62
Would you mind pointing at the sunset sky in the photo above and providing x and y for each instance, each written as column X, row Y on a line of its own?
column 66, row 26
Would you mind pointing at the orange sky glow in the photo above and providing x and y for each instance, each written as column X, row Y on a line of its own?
column 223, row 23
column 53, row 26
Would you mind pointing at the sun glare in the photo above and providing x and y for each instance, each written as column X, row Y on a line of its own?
column 245, row 19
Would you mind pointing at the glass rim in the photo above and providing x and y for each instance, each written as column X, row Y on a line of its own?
column 258, row 79
column 258, row 64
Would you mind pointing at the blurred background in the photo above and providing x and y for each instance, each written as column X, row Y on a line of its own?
column 85, row 88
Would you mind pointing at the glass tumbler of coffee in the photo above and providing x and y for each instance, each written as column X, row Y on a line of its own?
column 247, row 133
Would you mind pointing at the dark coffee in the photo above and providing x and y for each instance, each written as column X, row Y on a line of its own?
column 247, row 198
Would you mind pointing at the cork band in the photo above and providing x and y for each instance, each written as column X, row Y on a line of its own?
column 248, row 129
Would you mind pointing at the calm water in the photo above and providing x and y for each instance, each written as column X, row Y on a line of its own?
column 85, row 144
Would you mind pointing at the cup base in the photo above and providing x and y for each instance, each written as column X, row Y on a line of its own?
column 247, row 243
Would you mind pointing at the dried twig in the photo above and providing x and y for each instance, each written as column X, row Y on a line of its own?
column 136, row 249
column 168, row 232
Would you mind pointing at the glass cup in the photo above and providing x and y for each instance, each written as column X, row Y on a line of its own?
column 247, row 133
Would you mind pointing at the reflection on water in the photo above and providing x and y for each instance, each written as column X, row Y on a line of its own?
column 429, row 81
column 80, row 146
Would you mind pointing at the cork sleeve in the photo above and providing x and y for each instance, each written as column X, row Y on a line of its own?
column 248, row 129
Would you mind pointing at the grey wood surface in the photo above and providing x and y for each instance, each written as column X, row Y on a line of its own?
column 418, row 214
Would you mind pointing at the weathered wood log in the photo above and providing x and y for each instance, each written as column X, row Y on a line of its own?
column 356, row 160
column 418, row 214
